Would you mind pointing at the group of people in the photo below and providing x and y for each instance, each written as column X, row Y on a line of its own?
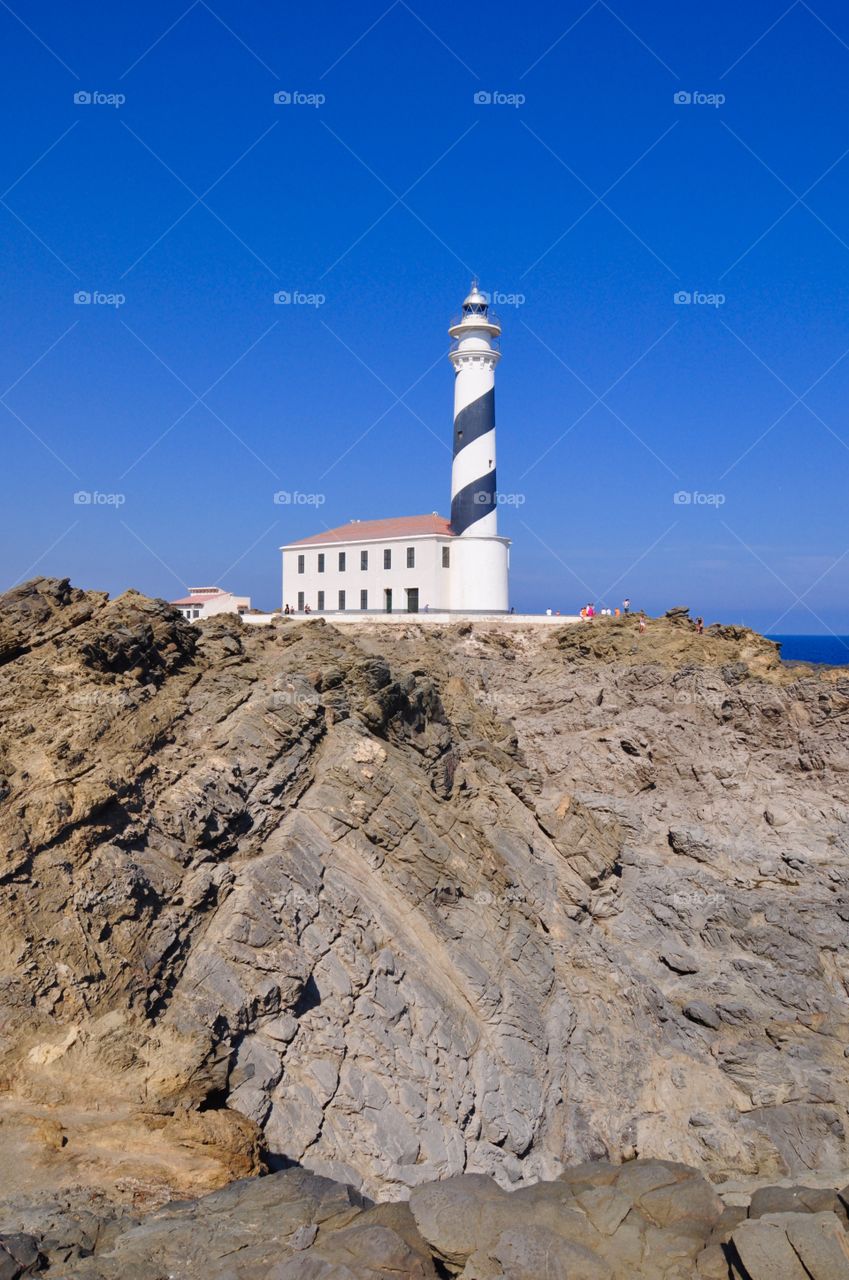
column 590, row 611
column 290, row 608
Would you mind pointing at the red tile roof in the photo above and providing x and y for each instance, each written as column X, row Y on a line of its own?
column 365, row 530
column 193, row 600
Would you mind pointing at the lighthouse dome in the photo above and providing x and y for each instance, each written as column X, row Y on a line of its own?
column 475, row 303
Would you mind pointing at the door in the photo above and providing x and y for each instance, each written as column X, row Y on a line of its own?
column 387, row 599
column 412, row 599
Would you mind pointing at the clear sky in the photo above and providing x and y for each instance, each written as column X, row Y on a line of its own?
column 581, row 191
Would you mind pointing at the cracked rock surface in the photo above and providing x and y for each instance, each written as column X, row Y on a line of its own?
column 396, row 903
column 642, row 1220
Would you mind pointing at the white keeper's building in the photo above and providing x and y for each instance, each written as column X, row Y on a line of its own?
column 410, row 563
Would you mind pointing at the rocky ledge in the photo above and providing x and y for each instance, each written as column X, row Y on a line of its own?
column 394, row 904
column 643, row 1220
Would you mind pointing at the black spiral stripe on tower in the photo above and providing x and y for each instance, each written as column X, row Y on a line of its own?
column 475, row 420
column 473, row 502
column 477, row 498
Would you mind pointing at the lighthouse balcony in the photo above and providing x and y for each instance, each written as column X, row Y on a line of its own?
column 487, row 332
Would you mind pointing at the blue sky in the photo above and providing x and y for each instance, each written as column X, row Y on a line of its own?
column 190, row 399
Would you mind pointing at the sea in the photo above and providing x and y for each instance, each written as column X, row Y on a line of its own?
column 833, row 650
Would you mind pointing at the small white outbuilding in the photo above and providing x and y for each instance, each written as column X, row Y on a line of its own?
column 204, row 602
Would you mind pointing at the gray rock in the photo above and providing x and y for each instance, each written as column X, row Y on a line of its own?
column 766, row 1252
column 372, row 1251
column 679, row 961
column 793, row 1200
column 19, row 1256
column 701, row 1012
column 712, row 1264
column 303, row 1237
column 530, row 1252
column 820, row 1241
column 459, row 1216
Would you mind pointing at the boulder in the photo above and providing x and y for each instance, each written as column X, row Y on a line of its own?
column 820, row 1242
column 527, row 1252
column 461, row 1215
column 702, row 1013
column 792, row 1246
column 19, row 1256
column 712, row 1263
column 794, row 1200
column 372, row 1251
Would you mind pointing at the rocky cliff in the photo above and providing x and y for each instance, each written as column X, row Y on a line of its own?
column 394, row 903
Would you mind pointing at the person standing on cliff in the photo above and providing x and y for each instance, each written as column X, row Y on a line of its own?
column 700, row 626
column 626, row 606
column 642, row 623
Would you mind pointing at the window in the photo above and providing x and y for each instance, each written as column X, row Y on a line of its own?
column 320, row 604
column 300, row 601
column 446, row 557
column 363, row 599
column 300, row 564
column 363, row 559
column 411, row 557
column 387, row 559
column 341, row 601
column 321, row 562
column 341, row 561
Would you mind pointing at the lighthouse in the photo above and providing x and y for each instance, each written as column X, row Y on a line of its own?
column 479, row 578
column 404, row 564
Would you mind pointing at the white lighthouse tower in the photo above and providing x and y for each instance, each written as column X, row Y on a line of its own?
column 480, row 559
